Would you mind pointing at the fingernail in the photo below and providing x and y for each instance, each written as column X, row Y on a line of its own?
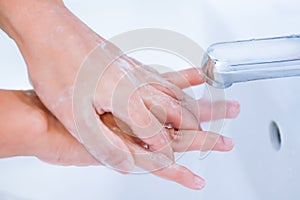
column 227, row 141
column 124, row 167
column 199, row 183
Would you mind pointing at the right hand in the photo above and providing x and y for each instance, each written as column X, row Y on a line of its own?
column 54, row 45
column 182, row 140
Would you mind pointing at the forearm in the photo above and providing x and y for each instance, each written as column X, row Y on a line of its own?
column 21, row 21
column 45, row 32
column 40, row 27
column 19, row 16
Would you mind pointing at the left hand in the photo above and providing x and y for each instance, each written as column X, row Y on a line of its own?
column 29, row 129
column 48, row 140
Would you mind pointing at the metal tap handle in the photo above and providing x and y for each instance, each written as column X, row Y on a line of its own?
column 247, row 60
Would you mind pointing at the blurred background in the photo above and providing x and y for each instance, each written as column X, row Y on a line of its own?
column 261, row 166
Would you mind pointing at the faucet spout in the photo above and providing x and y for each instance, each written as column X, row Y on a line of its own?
column 247, row 60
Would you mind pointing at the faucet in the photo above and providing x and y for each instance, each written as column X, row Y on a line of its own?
column 247, row 60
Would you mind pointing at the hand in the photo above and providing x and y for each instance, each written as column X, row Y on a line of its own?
column 54, row 49
column 32, row 130
column 29, row 129
column 182, row 140
column 54, row 46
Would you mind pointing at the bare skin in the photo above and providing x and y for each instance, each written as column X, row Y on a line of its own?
column 29, row 129
column 55, row 44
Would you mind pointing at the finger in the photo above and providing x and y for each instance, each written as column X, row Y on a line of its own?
column 168, row 110
column 163, row 167
column 137, row 64
column 126, row 103
column 170, row 92
column 182, row 140
column 192, row 140
column 181, row 175
column 149, row 76
column 114, row 151
column 175, row 92
column 154, row 162
column 184, row 78
column 209, row 111
column 218, row 110
column 146, row 126
column 102, row 143
column 120, row 129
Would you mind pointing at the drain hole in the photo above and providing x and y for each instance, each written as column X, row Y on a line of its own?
column 275, row 136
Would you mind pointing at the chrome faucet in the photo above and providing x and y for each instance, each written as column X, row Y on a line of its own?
column 247, row 60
